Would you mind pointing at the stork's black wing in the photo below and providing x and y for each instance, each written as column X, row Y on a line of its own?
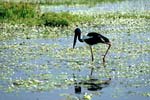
column 96, row 38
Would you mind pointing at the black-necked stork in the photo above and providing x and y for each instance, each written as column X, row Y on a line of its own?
column 91, row 39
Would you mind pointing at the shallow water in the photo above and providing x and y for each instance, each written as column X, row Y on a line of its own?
column 129, row 81
column 124, row 6
column 44, row 69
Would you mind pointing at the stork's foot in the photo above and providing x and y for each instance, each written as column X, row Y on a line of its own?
column 104, row 64
column 92, row 59
column 104, row 60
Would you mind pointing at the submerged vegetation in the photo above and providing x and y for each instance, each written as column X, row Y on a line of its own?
column 46, row 64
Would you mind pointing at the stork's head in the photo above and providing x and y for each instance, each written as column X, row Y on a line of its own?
column 77, row 32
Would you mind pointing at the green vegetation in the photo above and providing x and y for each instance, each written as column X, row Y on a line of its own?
column 23, row 20
column 27, row 28
column 62, row 19
column 17, row 10
column 54, row 19
column 27, row 13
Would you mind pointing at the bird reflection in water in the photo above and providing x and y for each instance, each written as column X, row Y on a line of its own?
column 92, row 84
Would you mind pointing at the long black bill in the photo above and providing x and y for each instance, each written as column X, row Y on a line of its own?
column 75, row 39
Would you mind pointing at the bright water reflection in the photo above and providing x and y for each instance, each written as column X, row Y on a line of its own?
column 125, row 6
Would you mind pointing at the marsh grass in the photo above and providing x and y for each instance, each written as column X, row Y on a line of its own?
column 27, row 13
column 17, row 10
column 19, row 13
column 62, row 19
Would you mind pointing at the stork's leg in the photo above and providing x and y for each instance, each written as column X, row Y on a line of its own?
column 91, row 71
column 106, row 52
column 91, row 53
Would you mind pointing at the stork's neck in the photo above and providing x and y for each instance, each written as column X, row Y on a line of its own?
column 79, row 38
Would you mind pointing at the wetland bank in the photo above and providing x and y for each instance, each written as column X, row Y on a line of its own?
column 37, row 61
